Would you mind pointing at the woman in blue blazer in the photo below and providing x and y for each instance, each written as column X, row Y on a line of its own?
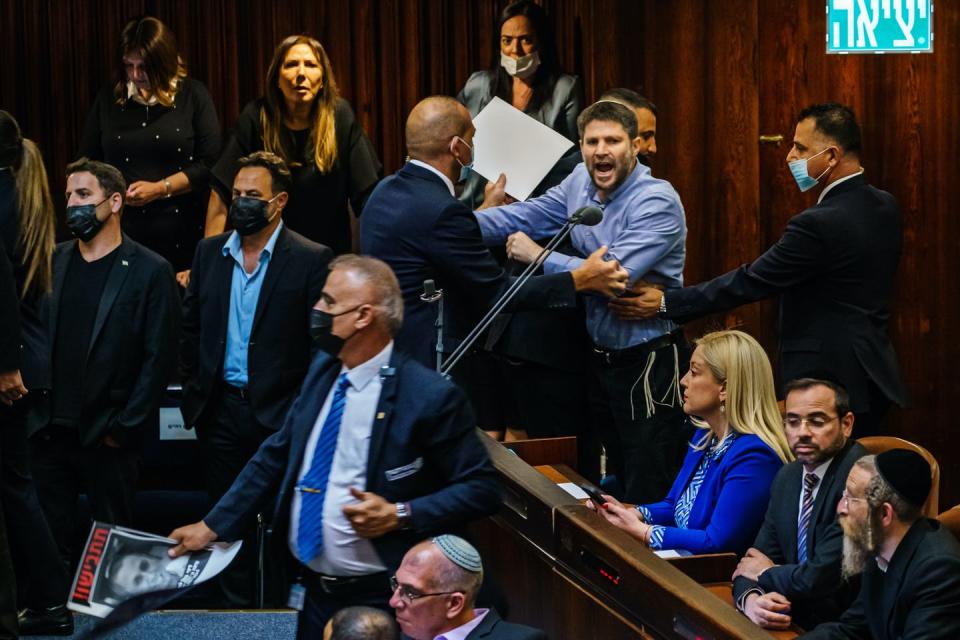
column 719, row 498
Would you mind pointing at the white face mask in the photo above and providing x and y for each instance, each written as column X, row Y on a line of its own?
column 522, row 67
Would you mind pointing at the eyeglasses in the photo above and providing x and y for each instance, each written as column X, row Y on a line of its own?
column 847, row 499
column 814, row 422
column 409, row 594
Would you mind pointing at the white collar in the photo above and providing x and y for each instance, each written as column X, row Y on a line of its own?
column 820, row 471
column 364, row 372
column 833, row 184
column 134, row 94
column 445, row 179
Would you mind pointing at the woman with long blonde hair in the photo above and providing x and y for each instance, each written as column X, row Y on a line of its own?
column 26, row 247
column 302, row 118
column 720, row 496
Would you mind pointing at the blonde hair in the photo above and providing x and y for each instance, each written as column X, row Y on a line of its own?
column 737, row 360
column 36, row 212
column 323, row 138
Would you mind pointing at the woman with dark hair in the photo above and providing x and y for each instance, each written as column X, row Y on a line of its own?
column 517, row 393
column 26, row 247
column 526, row 72
column 302, row 119
column 158, row 127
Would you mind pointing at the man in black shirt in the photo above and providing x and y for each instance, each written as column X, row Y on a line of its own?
column 113, row 324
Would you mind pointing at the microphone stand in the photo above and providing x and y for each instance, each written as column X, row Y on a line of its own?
column 432, row 295
column 505, row 299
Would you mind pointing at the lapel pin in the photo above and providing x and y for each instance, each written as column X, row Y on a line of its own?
column 380, row 415
column 125, row 263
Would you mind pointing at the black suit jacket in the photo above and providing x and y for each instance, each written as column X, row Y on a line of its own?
column 424, row 450
column 412, row 223
column 279, row 348
column 130, row 355
column 917, row 597
column 493, row 627
column 814, row 588
column 833, row 269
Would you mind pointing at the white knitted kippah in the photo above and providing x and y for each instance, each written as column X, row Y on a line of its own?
column 460, row 552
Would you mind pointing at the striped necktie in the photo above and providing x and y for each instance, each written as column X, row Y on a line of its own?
column 313, row 487
column 810, row 481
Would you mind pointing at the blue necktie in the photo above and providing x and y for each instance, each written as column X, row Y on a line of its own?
column 313, row 487
column 810, row 481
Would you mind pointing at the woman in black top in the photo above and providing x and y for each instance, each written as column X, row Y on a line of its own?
column 303, row 120
column 160, row 129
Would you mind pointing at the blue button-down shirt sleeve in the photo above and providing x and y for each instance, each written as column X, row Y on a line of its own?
column 244, row 295
column 539, row 218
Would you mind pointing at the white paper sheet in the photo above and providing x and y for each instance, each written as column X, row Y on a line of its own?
column 509, row 141
column 573, row 490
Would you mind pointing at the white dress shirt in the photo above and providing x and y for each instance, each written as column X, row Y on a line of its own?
column 344, row 552
column 820, row 471
column 447, row 181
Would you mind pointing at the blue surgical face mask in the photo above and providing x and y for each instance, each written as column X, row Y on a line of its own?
column 466, row 168
column 799, row 170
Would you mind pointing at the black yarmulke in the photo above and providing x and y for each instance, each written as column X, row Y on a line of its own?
column 907, row 472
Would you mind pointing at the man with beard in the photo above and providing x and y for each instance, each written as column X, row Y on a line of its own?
column 791, row 575
column 634, row 366
column 910, row 565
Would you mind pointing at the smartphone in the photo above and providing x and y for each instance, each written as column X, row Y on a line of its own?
column 593, row 492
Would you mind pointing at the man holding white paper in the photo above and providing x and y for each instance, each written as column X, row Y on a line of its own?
column 413, row 222
column 634, row 391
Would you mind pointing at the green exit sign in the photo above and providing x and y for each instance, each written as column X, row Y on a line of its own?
column 879, row 26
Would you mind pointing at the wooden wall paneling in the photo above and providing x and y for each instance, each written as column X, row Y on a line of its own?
column 721, row 73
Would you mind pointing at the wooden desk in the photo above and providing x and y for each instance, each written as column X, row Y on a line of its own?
column 704, row 568
column 543, row 549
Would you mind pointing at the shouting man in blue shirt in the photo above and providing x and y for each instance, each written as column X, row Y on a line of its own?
column 635, row 366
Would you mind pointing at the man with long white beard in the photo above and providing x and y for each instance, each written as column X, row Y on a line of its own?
column 910, row 565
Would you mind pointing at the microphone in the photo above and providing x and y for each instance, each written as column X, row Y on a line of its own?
column 587, row 216
column 430, row 292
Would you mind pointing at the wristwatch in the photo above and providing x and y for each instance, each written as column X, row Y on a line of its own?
column 663, row 303
column 403, row 515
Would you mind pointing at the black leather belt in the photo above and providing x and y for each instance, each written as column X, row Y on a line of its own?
column 370, row 584
column 240, row 392
column 637, row 352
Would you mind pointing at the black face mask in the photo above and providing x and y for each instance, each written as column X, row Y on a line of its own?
column 83, row 222
column 249, row 215
column 321, row 331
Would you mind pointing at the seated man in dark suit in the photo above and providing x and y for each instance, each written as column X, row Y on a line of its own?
column 376, row 453
column 909, row 565
column 413, row 222
column 246, row 334
column 791, row 575
column 112, row 326
column 434, row 592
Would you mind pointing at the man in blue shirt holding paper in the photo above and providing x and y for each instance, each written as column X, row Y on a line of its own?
column 635, row 396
